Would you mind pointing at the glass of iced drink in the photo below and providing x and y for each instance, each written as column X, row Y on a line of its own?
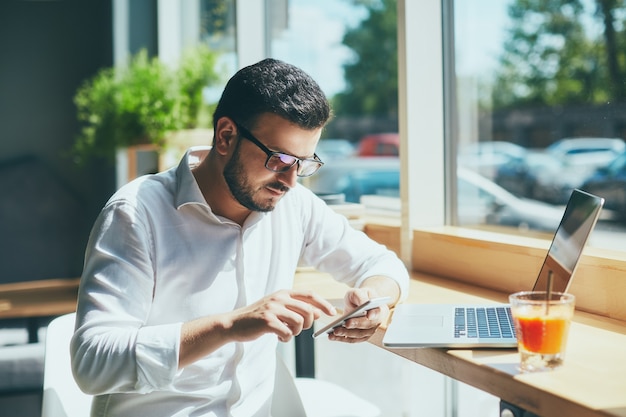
column 542, row 322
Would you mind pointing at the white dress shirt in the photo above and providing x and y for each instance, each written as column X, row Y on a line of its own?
column 157, row 257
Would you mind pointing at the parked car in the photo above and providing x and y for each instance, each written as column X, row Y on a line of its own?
column 379, row 144
column 555, row 187
column 521, row 176
column 329, row 149
column 551, row 175
column 358, row 176
column 587, row 151
column 487, row 157
column 480, row 201
column 610, row 182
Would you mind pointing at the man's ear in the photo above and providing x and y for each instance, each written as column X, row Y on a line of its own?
column 225, row 135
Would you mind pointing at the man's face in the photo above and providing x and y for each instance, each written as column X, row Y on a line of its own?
column 251, row 184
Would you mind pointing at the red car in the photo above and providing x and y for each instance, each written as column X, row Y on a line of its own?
column 379, row 144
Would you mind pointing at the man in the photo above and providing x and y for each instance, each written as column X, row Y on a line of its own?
column 186, row 287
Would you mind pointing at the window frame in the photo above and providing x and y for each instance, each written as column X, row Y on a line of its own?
column 421, row 118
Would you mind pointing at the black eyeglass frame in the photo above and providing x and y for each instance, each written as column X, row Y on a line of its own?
column 315, row 161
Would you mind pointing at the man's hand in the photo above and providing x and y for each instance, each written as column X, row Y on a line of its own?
column 285, row 313
column 360, row 329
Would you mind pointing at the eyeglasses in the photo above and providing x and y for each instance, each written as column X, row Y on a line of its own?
column 282, row 162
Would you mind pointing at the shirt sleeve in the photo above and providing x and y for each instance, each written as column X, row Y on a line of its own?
column 349, row 255
column 112, row 348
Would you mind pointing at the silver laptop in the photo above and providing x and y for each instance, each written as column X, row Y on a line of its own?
column 491, row 326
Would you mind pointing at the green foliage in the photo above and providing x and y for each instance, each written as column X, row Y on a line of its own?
column 140, row 103
column 373, row 76
column 196, row 71
column 550, row 58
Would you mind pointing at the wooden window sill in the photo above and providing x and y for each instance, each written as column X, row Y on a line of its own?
column 508, row 263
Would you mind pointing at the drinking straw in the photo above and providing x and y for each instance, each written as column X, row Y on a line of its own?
column 548, row 292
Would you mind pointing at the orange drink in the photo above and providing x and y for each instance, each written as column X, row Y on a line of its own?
column 541, row 326
column 542, row 334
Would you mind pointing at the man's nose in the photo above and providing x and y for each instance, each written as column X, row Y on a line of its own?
column 290, row 177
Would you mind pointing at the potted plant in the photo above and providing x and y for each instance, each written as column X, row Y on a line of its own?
column 141, row 103
column 195, row 72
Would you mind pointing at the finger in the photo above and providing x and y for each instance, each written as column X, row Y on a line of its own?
column 351, row 335
column 362, row 323
column 356, row 296
column 297, row 309
column 294, row 320
column 372, row 319
column 298, row 314
column 378, row 314
column 320, row 303
column 355, row 326
column 277, row 314
column 284, row 322
column 347, row 339
column 282, row 331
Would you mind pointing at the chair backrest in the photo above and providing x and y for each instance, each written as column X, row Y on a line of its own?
column 312, row 397
column 61, row 395
column 286, row 401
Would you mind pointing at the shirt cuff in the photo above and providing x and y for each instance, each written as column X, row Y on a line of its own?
column 157, row 356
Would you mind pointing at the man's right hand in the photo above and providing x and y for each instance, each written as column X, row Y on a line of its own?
column 285, row 313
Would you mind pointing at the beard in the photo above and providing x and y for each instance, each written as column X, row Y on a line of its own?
column 243, row 191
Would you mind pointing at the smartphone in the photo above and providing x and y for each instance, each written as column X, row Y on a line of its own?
column 357, row 312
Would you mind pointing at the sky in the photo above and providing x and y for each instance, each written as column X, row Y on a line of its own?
column 320, row 25
column 480, row 31
column 481, row 27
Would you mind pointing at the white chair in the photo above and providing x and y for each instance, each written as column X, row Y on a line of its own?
column 61, row 395
column 312, row 397
column 293, row 397
column 325, row 399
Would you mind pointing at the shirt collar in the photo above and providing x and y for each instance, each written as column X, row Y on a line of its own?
column 187, row 190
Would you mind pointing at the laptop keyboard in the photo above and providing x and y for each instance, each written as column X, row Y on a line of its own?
column 483, row 322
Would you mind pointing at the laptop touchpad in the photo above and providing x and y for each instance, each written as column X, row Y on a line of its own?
column 427, row 320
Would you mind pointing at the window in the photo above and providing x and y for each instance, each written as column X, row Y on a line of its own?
column 488, row 121
column 353, row 58
column 538, row 95
column 601, row 270
column 217, row 29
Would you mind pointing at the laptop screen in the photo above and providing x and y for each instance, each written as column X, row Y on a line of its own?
column 581, row 214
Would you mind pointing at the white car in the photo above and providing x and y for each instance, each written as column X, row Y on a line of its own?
column 486, row 157
column 480, row 200
column 588, row 152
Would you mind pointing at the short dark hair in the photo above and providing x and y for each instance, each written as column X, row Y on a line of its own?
column 273, row 86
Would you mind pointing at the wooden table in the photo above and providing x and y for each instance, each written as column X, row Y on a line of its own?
column 592, row 382
column 34, row 300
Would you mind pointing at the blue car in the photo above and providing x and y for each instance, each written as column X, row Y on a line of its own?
column 357, row 176
column 610, row 182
